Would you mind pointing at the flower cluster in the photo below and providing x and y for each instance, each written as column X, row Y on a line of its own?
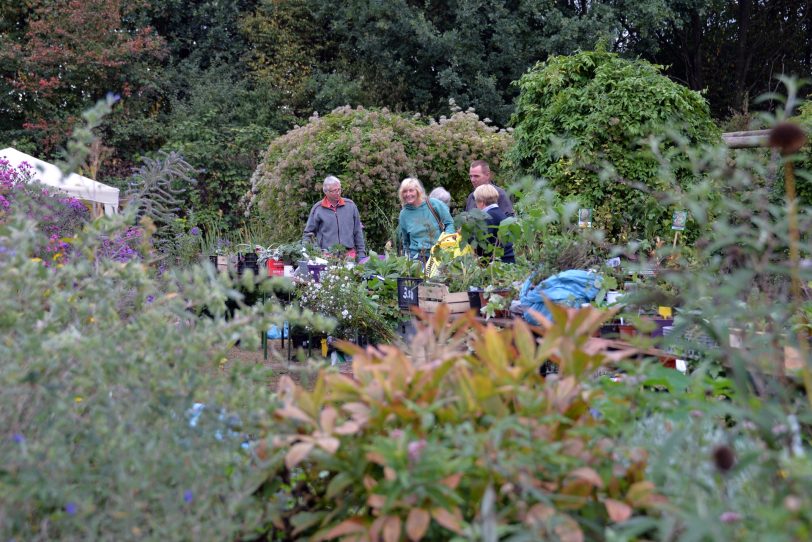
column 342, row 295
column 58, row 216
column 122, row 247
column 336, row 295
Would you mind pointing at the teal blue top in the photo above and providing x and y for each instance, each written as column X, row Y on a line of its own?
column 419, row 229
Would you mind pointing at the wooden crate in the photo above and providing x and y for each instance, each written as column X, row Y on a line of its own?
column 431, row 296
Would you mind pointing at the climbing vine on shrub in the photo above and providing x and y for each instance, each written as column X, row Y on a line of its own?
column 371, row 152
column 575, row 112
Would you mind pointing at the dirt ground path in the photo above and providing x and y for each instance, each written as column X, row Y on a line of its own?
column 302, row 371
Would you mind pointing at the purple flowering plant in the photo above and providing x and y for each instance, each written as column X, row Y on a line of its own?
column 58, row 216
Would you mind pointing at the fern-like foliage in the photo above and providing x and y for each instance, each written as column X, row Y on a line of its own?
column 157, row 186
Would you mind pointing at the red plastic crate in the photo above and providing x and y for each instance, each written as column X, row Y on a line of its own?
column 276, row 268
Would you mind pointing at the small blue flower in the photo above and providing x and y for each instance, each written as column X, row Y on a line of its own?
column 150, row 299
column 70, row 508
column 18, row 438
column 188, row 496
column 194, row 231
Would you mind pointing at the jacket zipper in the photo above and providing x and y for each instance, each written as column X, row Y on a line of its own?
column 338, row 224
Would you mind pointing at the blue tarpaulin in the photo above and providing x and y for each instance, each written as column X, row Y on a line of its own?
column 571, row 288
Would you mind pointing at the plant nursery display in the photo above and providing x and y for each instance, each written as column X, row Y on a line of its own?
column 636, row 369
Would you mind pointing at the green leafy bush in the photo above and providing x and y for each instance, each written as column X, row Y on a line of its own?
column 577, row 112
column 371, row 152
column 104, row 376
column 804, row 183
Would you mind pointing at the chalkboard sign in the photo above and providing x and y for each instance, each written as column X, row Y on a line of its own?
column 407, row 292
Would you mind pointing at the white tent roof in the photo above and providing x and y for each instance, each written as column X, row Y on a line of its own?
column 74, row 185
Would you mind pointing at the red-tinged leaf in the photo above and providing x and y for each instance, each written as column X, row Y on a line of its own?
column 293, row 413
column 539, row 514
column 447, row 520
column 328, row 444
column 369, row 482
column 327, row 419
column 391, row 529
column 568, row 530
column 452, row 481
column 376, row 528
column 346, row 527
column 618, row 511
column 286, row 386
column 376, row 501
column 390, row 474
column 262, row 450
column 347, row 428
column 375, row 457
column 588, row 475
column 297, row 453
column 417, row 523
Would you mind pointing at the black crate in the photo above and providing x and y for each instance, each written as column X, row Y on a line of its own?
column 407, row 292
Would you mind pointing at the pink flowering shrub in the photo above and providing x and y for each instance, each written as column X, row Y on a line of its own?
column 371, row 151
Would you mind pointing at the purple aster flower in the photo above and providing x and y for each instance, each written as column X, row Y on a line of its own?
column 415, row 449
column 18, row 438
column 188, row 496
column 194, row 231
column 70, row 508
column 150, row 299
column 730, row 517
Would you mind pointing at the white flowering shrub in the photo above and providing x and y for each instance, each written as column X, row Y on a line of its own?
column 340, row 294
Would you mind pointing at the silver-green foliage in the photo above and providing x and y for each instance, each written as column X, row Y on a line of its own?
column 102, row 365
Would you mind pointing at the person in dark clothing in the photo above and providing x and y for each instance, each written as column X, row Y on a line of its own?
column 480, row 174
column 487, row 197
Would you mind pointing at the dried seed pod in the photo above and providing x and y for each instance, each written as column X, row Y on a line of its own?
column 724, row 457
column 787, row 138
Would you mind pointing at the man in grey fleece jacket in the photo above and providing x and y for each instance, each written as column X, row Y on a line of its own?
column 336, row 221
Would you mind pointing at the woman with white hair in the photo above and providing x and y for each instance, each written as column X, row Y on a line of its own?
column 422, row 220
column 441, row 194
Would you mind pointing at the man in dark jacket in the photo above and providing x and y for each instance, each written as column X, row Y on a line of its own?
column 336, row 221
column 486, row 197
column 480, row 174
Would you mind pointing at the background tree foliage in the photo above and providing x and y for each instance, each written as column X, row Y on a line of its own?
column 217, row 80
column 604, row 106
column 69, row 55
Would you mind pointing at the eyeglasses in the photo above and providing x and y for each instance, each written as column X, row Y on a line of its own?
column 334, row 190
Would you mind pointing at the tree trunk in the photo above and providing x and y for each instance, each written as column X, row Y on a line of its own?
column 743, row 55
column 696, row 79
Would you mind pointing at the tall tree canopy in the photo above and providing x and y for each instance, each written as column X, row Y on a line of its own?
column 69, row 55
column 216, row 79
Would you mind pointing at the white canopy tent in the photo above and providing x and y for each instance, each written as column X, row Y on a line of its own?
column 73, row 185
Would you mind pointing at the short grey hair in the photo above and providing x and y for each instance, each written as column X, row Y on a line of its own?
column 329, row 181
column 441, row 194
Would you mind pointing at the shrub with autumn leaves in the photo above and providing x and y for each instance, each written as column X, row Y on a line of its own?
column 458, row 437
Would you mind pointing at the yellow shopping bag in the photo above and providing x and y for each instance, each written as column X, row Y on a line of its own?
column 448, row 243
